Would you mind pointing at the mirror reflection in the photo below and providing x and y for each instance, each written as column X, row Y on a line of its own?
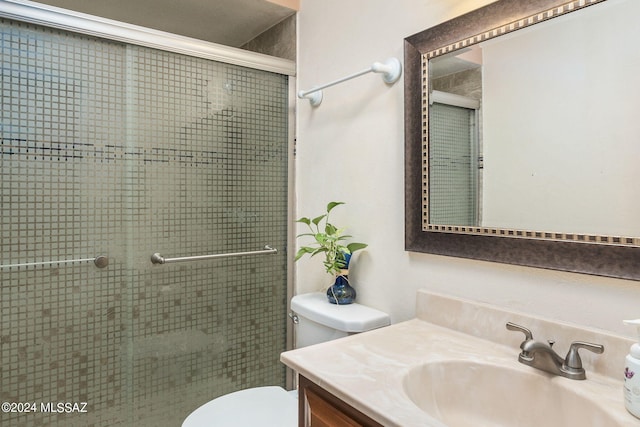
column 538, row 129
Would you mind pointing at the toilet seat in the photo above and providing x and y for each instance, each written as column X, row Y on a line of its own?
column 261, row 406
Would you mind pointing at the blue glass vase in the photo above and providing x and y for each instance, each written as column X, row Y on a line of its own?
column 341, row 292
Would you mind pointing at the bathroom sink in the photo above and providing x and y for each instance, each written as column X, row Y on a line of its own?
column 464, row 392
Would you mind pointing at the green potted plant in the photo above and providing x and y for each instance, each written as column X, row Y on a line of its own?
column 330, row 241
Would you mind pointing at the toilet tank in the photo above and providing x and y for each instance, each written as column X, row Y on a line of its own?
column 320, row 321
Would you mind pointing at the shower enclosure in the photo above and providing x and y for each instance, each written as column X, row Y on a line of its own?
column 111, row 151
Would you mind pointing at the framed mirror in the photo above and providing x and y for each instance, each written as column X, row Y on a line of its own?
column 521, row 141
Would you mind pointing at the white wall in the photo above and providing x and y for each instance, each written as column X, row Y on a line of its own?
column 350, row 149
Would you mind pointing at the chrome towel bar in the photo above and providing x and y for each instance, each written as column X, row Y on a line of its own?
column 159, row 259
column 100, row 261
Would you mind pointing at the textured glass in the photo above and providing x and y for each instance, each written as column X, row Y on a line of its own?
column 453, row 167
column 123, row 151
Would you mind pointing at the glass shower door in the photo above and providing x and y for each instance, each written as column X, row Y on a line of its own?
column 121, row 151
column 212, row 142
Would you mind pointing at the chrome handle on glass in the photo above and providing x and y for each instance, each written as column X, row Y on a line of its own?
column 100, row 261
column 159, row 259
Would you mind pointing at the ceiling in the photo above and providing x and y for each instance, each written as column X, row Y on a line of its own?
column 227, row 22
column 456, row 62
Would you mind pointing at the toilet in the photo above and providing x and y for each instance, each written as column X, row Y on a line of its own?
column 315, row 321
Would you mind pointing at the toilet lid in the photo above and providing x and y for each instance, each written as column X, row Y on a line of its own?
column 261, row 406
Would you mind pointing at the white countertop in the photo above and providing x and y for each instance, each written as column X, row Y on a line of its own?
column 367, row 370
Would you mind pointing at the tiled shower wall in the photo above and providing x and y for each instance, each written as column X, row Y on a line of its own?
column 124, row 151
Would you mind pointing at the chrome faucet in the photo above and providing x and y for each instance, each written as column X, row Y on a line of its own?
column 542, row 356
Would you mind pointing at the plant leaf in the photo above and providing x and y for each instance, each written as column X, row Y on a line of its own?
column 305, row 234
column 332, row 205
column 304, row 220
column 303, row 251
column 318, row 251
column 321, row 238
column 356, row 246
column 330, row 229
column 316, row 220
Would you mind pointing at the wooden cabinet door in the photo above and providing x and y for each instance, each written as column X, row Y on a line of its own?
column 324, row 414
column 319, row 408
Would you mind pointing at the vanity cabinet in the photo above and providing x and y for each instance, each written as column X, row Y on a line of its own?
column 319, row 408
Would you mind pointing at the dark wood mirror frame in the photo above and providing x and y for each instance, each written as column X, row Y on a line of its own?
column 601, row 259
